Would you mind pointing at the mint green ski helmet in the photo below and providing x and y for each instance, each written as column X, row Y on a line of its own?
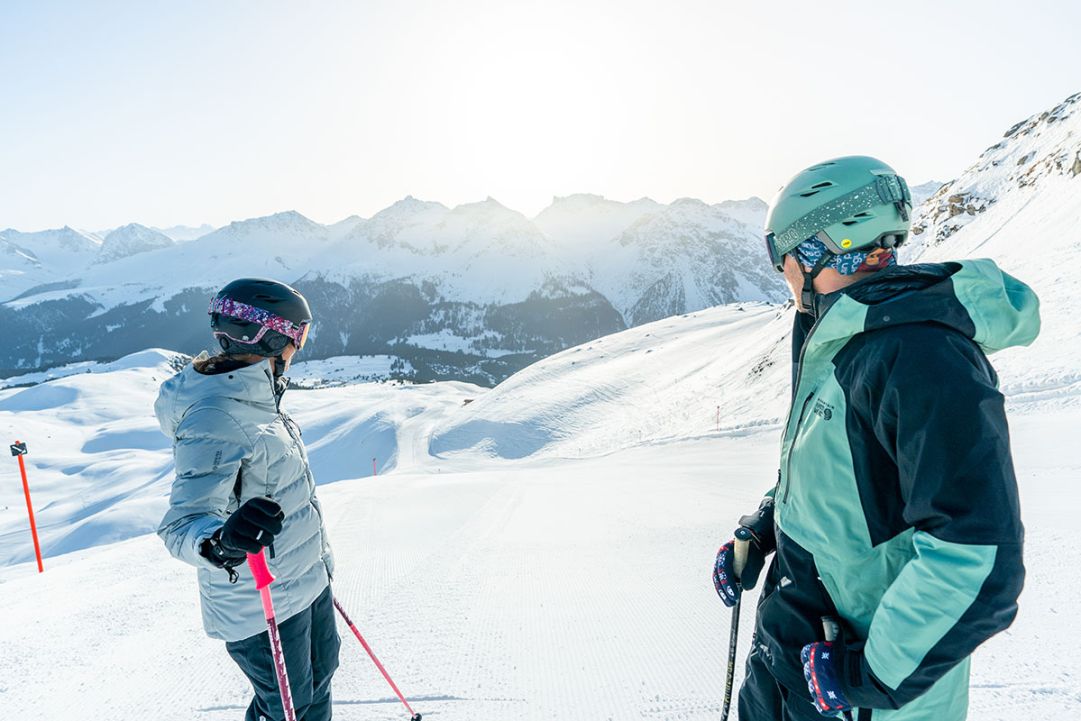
column 850, row 203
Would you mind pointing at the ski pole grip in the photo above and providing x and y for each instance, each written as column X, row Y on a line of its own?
column 830, row 628
column 259, row 570
column 741, row 550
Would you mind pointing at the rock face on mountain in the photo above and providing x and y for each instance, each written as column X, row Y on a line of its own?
column 472, row 292
column 1032, row 157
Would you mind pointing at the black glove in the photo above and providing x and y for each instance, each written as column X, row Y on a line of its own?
column 757, row 528
column 760, row 524
column 252, row 526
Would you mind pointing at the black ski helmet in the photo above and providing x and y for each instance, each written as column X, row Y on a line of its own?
column 260, row 316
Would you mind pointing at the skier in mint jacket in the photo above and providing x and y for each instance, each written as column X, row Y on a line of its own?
column 243, row 484
column 896, row 507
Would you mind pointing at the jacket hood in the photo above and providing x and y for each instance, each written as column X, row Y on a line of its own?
column 974, row 297
column 249, row 384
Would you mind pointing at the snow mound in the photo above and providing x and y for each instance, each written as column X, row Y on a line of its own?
column 655, row 383
column 150, row 358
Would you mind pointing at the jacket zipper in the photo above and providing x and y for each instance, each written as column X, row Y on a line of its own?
column 795, row 431
column 795, row 435
column 308, row 474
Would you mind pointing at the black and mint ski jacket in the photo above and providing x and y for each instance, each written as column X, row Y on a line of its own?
column 896, row 504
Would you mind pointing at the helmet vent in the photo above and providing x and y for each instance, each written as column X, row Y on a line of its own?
column 857, row 218
column 816, row 188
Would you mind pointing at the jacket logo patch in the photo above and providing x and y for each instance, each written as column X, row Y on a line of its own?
column 823, row 410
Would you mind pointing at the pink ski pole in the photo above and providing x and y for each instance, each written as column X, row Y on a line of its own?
column 349, row 622
column 263, row 578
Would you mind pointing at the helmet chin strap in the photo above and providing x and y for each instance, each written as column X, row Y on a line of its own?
column 808, row 298
column 277, row 364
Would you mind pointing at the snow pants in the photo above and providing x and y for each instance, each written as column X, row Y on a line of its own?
column 310, row 642
column 763, row 698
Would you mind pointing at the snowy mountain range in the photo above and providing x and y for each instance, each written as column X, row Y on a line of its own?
column 473, row 292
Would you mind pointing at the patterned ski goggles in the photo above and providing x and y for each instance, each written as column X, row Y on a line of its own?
column 776, row 257
column 264, row 318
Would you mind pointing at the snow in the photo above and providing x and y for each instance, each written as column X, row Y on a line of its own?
column 181, row 233
column 346, row 370
column 538, row 550
column 48, row 256
column 100, row 469
column 131, row 239
column 447, row 340
column 650, row 384
column 540, row 588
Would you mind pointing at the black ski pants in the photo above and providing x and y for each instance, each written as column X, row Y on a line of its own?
column 763, row 698
column 310, row 642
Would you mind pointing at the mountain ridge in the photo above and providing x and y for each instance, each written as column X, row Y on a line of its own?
column 414, row 281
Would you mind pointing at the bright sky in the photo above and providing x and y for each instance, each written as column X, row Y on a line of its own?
column 193, row 112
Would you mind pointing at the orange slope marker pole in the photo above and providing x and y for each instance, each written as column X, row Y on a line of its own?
column 18, row 449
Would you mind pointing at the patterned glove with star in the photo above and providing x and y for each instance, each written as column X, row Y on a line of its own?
column 822, row 664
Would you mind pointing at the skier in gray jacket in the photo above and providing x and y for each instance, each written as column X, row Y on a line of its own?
column 243, row 483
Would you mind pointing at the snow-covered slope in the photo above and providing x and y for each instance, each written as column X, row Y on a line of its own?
column 567, row 589
column 578, row 225
column 655, row 383
column 686, row 257
column 477, row 252
column 46, row 257
column 100, row 468
column 923, row 191
column 181, row 233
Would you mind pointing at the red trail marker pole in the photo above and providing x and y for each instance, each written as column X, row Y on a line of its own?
column 18, row 449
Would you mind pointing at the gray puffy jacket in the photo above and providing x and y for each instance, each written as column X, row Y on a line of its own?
column 232, row 442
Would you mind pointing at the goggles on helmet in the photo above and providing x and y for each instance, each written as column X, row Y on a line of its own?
column 883, row 190
column 298, row 333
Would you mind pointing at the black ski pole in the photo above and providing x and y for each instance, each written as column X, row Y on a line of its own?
column 740, row 550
